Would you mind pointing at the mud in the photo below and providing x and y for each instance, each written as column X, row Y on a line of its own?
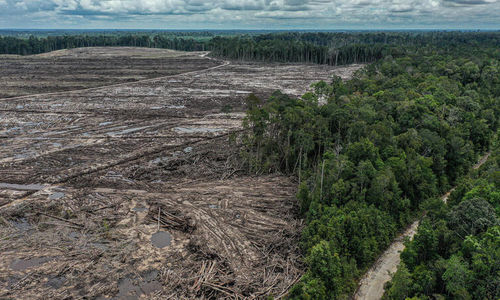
column 161, row 239
column 21, row 187
column 23, row 264
column 85, row 174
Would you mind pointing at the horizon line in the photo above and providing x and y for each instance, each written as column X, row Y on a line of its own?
column 258, row 29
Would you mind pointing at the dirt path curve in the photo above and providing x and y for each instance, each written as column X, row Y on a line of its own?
column 371, row 286
column 204, row 55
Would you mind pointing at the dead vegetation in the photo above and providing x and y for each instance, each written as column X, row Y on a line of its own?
column 88, row 177
column 234, row 238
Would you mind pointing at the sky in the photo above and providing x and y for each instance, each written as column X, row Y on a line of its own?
column 250, row 14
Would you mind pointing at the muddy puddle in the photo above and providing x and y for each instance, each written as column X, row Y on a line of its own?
column 21, row 224
column 56, row 282
column 161, row 239
column 23, row 264
column 166, row 159
column 22, row 187
column 116, row 176
column 56, row 196
column 133, row 289
column 24, row 155
column 159, row 160
column 197, row 129
column 140, row 208
column 168, row 107
column 127, row 131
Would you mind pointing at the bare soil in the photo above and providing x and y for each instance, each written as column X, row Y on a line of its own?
column 135, row 190
column 81, row 68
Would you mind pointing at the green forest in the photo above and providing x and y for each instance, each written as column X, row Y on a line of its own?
column 377, row 155
column 337, row 48
column 456, row 251
column 37, row 45
column 332, row 48
column 22, row 42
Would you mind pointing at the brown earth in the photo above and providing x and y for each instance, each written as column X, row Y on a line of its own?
column 81, row 68
column 135, row 189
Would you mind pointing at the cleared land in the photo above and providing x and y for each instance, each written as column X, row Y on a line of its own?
column 66, row 70
column 135, row 190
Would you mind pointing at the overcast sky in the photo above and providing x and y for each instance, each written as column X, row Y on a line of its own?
column 251, row 14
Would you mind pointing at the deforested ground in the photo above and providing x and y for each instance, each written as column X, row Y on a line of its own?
column 134, row 189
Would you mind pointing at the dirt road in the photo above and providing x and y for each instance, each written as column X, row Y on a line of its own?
column 371, row 286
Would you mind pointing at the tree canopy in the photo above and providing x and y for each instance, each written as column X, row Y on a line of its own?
column 382, row 150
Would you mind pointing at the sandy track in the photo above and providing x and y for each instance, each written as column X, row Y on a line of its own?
column 371, row 286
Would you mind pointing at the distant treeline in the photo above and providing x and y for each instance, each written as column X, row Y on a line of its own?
column 34, row 45
column 332, row 48
column 341, row 48
column 279, row 50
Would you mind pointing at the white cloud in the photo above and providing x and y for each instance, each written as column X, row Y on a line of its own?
column 266, row 14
